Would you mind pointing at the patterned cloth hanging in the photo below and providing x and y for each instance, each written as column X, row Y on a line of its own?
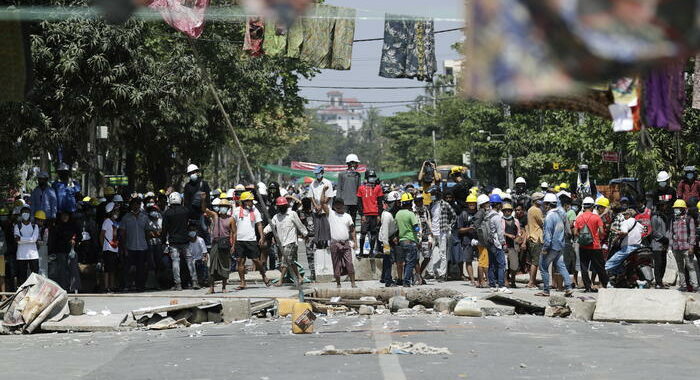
column 409, row 48
column 664, row 96
column 188, row 20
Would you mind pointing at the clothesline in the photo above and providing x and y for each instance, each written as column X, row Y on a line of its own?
column 375, row 88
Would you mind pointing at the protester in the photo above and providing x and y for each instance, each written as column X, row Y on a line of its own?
column 200, row 256
column 388, row 236
column 512, row 232
column 66, row 190
column 554, row 235
column 133, row 231
column 425, row 237
column 195, row 199
column 247, row 226
column 222, row 228
column 26, row 234
column 306, row 215
column 408, row 225
column 534, row 233
column 287, row 226
column 689, row 186
column 43, row 197
column 443, row 220
column 342, row 241
column 370, row 196
column 585, row 185
column 588, row 229
column 175, row 236
column 660, row 222
column 682, row 240
column 348, row 185
column 494, row 239
column 631, row 234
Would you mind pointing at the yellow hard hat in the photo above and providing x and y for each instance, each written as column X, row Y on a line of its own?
column 162, row 191
column 406, row 197
column 223, row 196
column 109, row 190
column 456, row 169
column 602, row 201
column 87, row 199
column 40, row 214
column 564, row 186
column 474, row 190
column 557, row 189
column 679, row 203
column 472, row 198
column 698, row 205
column 247, row 196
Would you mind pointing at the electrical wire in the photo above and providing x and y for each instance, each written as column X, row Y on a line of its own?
column 373, row 88
column 375, row 102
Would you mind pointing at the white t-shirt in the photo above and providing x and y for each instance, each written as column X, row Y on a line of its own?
column 634, row 232
column 198, row 248
column 107, row 227
column 316, row 189
column 26, row 247
column 245, row 227
column 340, row 225
column 435, row 225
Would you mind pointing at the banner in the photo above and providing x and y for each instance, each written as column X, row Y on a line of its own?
column 298, row 165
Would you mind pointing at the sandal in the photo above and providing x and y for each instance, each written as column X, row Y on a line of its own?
column 542, row 294
column 240, row 287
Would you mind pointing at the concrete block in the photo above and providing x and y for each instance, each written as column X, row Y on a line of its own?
column 692, row 309
column 366, row 310
column 582, row 310
column 523, row 303
column 87, row 323
column 235, row 309
column 367, row 269
column 468, row 307
column 557, row 301
column 398, row 302
column 368, row 299
column 444, row 304
column 492, row 309
column 671, row 274
column 640, row 305
column 557, row 311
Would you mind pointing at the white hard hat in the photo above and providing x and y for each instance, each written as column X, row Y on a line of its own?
column 352, row 158
column 509, row 191
column 588, row 201
column 109, row 207
column 505, row 196
column 192, row 168
column 117, row 198
column 544, row 184
column 496, row 191
column 483, row 198
column 520, row 180
column 174, row 198
column 230, row 193
column 149, row 194
column 550, row 198
column 393, row 196
column 662, row 176
column 216, row 202
column 564, row 193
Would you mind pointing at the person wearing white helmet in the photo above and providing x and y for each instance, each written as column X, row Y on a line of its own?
column 544, row 187
column 664, row 191
column 554, row 236
column 388, row 236
column 520, row 195
column 110, row 246
column 588, row 229
column 175, row 236
column 348, row 183
column 196, row 199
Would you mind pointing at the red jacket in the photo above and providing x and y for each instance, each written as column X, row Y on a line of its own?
column 687, row 190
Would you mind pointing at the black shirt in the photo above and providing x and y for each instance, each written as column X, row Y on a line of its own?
column 175, row 225
column 193, row 198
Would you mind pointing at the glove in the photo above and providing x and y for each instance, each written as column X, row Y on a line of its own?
column 86, row 236
column 475, row 242
column 113, row 244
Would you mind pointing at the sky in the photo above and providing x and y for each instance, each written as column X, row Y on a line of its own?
column 448, row 14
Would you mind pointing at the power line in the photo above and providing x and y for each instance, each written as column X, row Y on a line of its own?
column 373, row 88
column 376, row 102
column 382, row 38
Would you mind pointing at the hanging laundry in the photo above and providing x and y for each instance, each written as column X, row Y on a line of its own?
column 625, row 110
column 188, row 20
column 295, row 38
column 328, row 37
column 286, row 11
column 696, row 84
column 254, row 36
column 15, row 61
column 664, row 96
column 275, row 40
column 524, row 49
column 409, row 48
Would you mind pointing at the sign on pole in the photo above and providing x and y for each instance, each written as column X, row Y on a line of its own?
column 611, row 156
column 467, row 158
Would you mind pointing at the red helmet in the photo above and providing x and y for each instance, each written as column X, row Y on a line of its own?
column 281, row 201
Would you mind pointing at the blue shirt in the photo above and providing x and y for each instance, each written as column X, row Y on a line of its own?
column 554, row 230
column 44, row 200
column 65, row 195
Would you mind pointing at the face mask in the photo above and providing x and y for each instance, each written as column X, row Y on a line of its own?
column 25, row 216
column 663, row 184
column 508, row 217
column 150, row 205
column 115, row 216
column 282, row 209
column 372, row 180
column 217, row 209
column 193, row 177
column 192, row 234
column 689, row 175
column 677, row 211
column 154, row 214
column 319, row 176
column 223, row 210
column 575, row 208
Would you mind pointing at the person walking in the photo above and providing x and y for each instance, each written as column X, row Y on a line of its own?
column 588, row 230
column 133, row 229
column 175, row 236
column 221, row 244
column 287, row 226
column 247, row 226
column 408, row 225
column 682, row 240
column 554, row 235
column 342, row 240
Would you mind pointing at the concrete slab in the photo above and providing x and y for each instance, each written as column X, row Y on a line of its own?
column 640, row 305
column 582, row 310
column 87, row 323
column 235, row 310
column 523, row 302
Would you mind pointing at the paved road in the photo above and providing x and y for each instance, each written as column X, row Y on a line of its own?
column 494, row 348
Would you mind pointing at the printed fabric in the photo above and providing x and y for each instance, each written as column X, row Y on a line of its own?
column 664, row 98
column 328, row 37
column 188, row 20
column 254, row 36
column 275, row 38
column 409, row 48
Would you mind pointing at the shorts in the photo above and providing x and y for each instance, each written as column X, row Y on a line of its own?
column 247, row 250
column 110, row 261
column 469, row 254
column 513, row 262
column 288, row 255
column 425, row 251
column 370, row 225
column 534, row 250
column 397, row 254
column 483, row 257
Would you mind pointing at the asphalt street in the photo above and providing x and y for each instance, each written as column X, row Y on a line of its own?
column 520, row 347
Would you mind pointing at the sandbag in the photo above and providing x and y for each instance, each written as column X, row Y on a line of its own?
column 468, row 307
column 37, row 300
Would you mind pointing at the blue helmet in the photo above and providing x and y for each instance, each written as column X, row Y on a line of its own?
column 495, row 198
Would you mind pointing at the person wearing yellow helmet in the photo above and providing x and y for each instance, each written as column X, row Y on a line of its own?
column 43, row 197
column 408, row 225
column 466, row 232
column 461, row 189
column 247, row 225
column 682, row 241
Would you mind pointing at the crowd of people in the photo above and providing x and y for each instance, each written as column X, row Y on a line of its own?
column 438, row 229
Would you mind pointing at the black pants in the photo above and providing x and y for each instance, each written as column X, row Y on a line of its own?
column 594, row 259
column 25, row 268
column 59, row 270
column 138, row 259
column 659, row 267
column 352, row 210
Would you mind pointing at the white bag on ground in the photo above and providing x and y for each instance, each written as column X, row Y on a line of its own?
column 468, row 307
column 322, row 262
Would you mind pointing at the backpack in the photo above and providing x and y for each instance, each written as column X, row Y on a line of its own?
column 483, row 233
column 585, row 237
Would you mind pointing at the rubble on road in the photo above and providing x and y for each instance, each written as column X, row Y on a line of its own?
column 582, row 309
column 444, row 304
column 397, row 303
column 523, row 303
column 557, row 311
column 407, row 348
column 169, row 323
column 37, row 300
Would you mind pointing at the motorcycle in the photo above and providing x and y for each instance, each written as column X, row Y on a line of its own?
column 637, row 270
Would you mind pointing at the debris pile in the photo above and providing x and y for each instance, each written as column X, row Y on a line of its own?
column 396, row 348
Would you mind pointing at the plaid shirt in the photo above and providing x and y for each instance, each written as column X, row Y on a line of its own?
column 448, row 217
column 682, row 233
